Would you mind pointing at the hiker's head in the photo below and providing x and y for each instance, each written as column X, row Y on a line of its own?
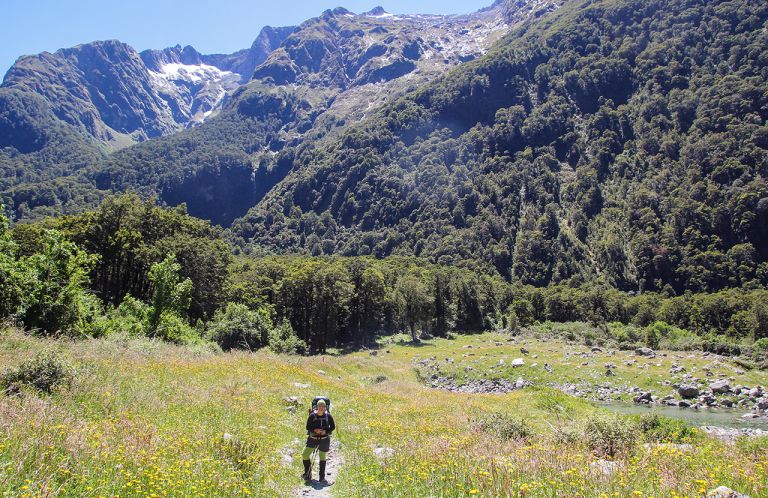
column 321, row 406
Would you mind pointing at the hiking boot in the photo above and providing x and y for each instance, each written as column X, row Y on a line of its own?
column 307, row 475
column 322, row 473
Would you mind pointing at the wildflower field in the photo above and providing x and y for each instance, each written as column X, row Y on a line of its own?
column 146, row 419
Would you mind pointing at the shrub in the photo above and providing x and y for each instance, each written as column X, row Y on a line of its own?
column 761, row 344
column 173, row 328
column 667, row 430
column 237, row 326
column 131, row 318
column 653, row 334
column 505, row 427
column 610, row 435
column 171, row 296
column 44, row 373
column 57, row 299
column 282, row 339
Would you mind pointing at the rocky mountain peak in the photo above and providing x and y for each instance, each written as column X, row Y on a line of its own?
column 376, row 11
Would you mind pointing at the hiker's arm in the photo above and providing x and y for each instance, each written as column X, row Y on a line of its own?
column 331, row 424
column 309, row 423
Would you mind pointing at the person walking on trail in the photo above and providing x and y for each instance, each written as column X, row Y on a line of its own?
column 320, row 426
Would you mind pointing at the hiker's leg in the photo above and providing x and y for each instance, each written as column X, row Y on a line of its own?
column 323, row 458
column 305, row 456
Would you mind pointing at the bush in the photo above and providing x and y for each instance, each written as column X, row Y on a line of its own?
column 627, row 336
column 505, row 427
column 238, row 326
column 44, row 373
column 131, row 318
column 610, row 435
column 283, row 339
column 653, row 334
column 667, row 430
column 173, row 328
column 761, row 344
column 57, row 299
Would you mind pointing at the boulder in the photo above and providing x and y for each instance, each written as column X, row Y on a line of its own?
column 604, row 467
column 720, row 387
column 725, row 492
column 518, row 362
column 521, row 383
column 292, row 400
column 762, row 404
column 645, row 398
column 688, row 391
column 645, row 352
column 524, row 351
column 676, row 369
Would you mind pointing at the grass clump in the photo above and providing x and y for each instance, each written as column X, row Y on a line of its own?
column 505, row 427
column 610, row 435
column 756, row 447
column 658, row 429
column 45, row 373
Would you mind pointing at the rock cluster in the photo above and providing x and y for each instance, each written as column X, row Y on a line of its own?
column 696, row 393
column 483, row 386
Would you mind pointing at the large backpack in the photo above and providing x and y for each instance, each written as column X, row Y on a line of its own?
column 318, row 398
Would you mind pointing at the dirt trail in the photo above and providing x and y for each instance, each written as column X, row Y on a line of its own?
column 315, row 489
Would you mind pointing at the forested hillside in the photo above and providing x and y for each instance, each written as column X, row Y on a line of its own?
column 327, row 74
column 131, row 267
column 621, row 141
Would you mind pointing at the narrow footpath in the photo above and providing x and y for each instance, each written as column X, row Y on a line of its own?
column 315, row 489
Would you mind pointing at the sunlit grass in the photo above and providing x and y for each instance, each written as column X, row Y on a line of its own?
column 144, row 419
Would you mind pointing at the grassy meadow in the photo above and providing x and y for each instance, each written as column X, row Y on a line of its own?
column 147, row 419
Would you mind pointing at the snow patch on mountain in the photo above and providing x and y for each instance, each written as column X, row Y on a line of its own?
column 195, row 90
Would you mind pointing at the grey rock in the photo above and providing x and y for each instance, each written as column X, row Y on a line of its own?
column 725, row 492
column 604, row 467
column 688, row 391
column 648, row 352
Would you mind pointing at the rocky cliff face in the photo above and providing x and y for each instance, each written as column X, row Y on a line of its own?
column 293, row 86
column 341, row 49
column 114, row 94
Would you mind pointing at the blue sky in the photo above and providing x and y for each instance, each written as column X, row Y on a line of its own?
column 32, row 26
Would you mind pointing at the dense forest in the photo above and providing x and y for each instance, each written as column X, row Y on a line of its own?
column 621, row 142
column 131, row 267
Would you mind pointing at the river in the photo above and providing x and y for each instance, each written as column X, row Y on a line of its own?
column 720, row 417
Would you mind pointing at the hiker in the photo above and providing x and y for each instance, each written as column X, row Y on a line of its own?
column 320, row 426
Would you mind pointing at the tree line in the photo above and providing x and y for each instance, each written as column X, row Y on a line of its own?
column 135, row 268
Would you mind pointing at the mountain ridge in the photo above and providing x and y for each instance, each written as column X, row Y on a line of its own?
column 549, row 142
